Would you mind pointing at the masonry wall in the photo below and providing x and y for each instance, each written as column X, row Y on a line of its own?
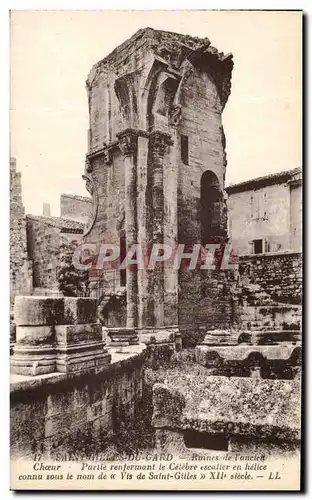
column 49, row 415
column 204, row 299
column 205, row 303
column 201, row 123
column 76, row 208
column 20, row 266
column 111, row 213
column 272, row 212
column 43, row 242
column 279, row 275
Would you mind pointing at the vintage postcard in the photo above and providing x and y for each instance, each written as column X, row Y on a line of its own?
column 155, row 250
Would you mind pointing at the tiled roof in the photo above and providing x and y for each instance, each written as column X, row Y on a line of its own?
column 267, row 180
column 87, row 199
column 65, row 225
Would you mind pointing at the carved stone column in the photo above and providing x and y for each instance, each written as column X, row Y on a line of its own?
column 171, row 230
column 159, row 142
column 142, row 217
column 128, row 143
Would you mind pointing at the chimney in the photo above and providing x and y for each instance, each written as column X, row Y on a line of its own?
column 46, row 210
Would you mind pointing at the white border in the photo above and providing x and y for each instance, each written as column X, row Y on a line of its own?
column 4, row 184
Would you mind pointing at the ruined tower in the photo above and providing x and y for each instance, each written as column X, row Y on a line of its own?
column 156, row 161
column 20, row 265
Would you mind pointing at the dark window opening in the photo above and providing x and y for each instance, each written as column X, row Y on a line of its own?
column 203, row 440
column 184, row 149
column 123, row 253
column 210, row 207
column 258, row 246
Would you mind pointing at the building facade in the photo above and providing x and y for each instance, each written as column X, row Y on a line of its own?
column 75, row 207
column 265, row 214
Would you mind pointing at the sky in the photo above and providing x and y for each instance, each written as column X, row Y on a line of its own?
column 52, row 52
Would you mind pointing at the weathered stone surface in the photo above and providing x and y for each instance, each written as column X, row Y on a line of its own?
column 80, row 310
column 33, row 360
column 151, row 192
column 35, row 335
column 157, row 336
column 219, row 337
column 123, row 336
column 267, row 361
column 50, row 412
column 81, row 357
column 12, row 332
column 77, row 334
column 236, row 406
column 173, row 441
column 20, row 266
column 33, row 310
column 242, row 352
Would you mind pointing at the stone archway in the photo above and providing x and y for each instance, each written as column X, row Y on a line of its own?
column 210, row 207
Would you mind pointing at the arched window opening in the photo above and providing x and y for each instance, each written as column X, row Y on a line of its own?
column 210, row 205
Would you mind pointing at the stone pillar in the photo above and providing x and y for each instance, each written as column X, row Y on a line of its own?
column 128, row 143
column 57, row 334
column 171, row 233
column 142, row 156
column 158, row 146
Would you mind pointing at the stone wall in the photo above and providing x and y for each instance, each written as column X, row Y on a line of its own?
column 205, row 303
column 279, row 275
column 76, row 207
column 45, row 235
column 202, row 125
column 48, row 413
column 20, row 265
column 271, row 292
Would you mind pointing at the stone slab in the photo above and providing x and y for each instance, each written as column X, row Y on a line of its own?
column 69, row 363
column 123, row 336
column 31, row 360
column 38, row 311
column 74, row 334
column 221, row 337
column 237, row 406
column 160, row 336
column 35, row 335
column 206, row 354
column 80, row 310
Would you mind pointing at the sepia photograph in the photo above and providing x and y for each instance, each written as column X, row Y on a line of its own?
column 156, row 183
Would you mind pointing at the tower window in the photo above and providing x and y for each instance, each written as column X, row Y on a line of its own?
column 184, row 149
column 258, row 246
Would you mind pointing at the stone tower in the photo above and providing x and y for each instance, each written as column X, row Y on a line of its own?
column 20, row 265
column 156, row 160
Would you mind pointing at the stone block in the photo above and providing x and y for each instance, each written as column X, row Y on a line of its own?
column 81, row 357
column 123, row 336
column 35, row 335
column 268, row 361
column 234, row 406
column 36, row 311
column 221, row 337
column 80, row 310
column 76, row 334
column 33, row 360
